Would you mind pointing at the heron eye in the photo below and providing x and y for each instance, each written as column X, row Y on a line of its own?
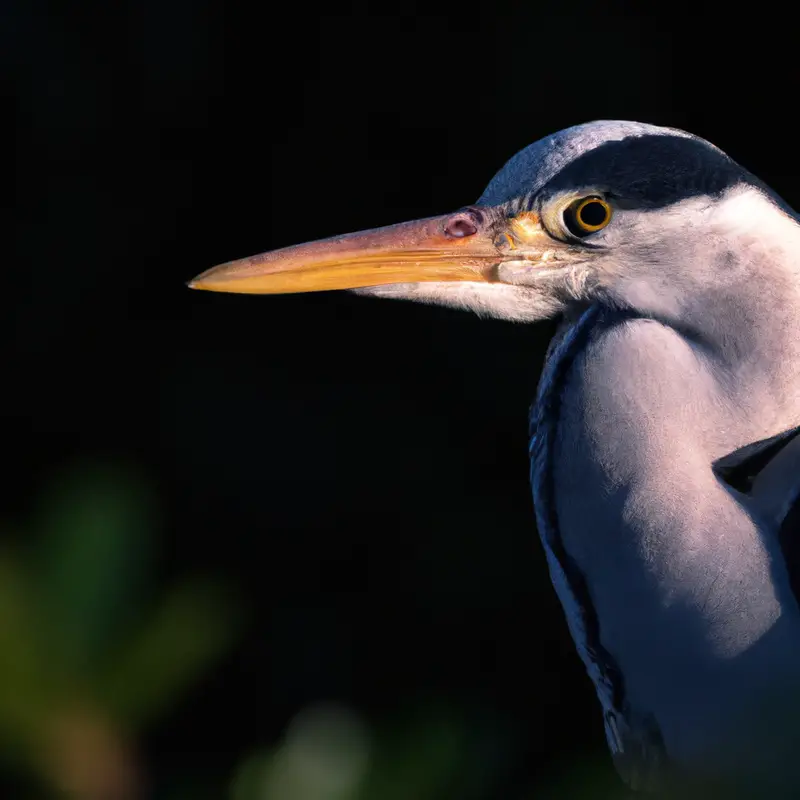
column 587, row 215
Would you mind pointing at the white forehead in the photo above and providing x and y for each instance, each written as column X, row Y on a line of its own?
column 535, row 165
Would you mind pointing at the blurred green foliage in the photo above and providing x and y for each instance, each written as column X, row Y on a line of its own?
column 93, row 649
column 89, row 654
column 329, row 753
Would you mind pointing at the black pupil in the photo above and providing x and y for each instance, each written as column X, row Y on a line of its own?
column 593, row 214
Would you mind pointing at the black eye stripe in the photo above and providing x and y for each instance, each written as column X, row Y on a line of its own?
column 652, row 171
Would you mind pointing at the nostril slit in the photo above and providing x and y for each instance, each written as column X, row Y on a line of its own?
column 460, row 227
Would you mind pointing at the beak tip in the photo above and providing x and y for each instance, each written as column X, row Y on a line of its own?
column 197, row 283
column 214, row 279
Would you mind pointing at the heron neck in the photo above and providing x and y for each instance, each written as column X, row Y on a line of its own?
column 735, row 294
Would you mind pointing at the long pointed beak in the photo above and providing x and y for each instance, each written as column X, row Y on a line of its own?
column 454, row 247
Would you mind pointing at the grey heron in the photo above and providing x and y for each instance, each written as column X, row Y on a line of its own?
column 664, row 455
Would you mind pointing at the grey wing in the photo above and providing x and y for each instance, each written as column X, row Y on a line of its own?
column 769, row 473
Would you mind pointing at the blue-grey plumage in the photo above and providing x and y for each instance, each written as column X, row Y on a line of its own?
column 680, row 581
column 664, row 456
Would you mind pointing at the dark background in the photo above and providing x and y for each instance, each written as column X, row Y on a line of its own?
column 356, row 468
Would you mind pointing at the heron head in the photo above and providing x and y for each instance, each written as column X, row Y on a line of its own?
column 617, row 212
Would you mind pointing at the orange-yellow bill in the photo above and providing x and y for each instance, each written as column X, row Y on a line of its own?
column 446, row 248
